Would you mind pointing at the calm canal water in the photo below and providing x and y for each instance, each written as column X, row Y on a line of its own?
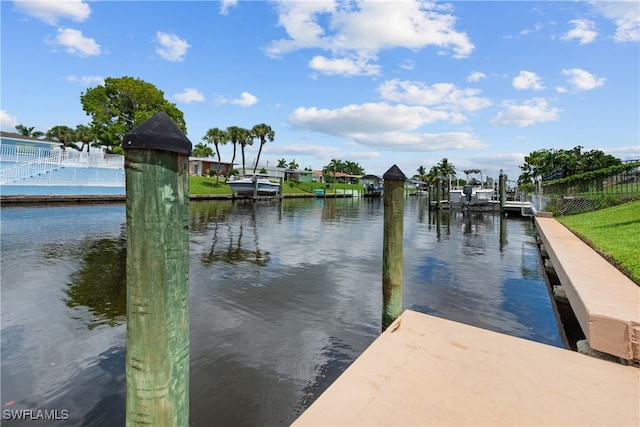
column 283, row 298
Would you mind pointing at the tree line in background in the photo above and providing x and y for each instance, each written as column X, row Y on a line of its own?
column 121, row 104
column 563, row 162
column 336, row 165
column 238, row 135
column 442, row 169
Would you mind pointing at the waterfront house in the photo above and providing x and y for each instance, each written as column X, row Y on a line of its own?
column 200, row 166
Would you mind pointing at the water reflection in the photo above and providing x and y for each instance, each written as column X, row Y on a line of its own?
column 100, row 283
column 283, row 297
column 228, row 245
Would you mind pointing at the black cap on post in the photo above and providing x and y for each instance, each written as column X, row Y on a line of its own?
column 157, row 133
column 394, row 174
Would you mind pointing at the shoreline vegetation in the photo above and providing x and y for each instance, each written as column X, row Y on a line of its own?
column 613, row 232
column 200, row 185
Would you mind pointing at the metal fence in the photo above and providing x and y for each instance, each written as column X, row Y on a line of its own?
column 56, row 167
column 593, row 190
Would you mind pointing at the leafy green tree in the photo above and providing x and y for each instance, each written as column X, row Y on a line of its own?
column 29, row 131
column 216, row 137
column 421, row 175
column 292, row 164
column 202, row 150
column 85, row 135
column 264, row 133
column 62, row 134
column 574, row 161
column 352, row 168
column 282, row 163
column 123, row 103
column 446, row 168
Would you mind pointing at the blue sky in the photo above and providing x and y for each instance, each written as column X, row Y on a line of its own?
column 375, row 82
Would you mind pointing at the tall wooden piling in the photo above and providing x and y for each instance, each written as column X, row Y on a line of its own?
column 502, row 189
column 393, row 200
column 438, row 192
column 157, row 208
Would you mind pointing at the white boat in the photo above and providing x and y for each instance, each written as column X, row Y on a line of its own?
column 471, row 196
column 246, row 185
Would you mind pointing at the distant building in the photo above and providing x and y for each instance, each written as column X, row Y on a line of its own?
column 200, row 166
column 19, row 148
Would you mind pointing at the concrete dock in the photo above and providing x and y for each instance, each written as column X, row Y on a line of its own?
column 429, row 371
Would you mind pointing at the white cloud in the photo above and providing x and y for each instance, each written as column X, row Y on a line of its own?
column 535, row 29
column 440, row 95
column 7, row 121
column 531, row 112
column 344, row 66
column 319, row 151
column 476, row 76
column 75, row 42
column 371, row 118
column 624, row 153
column 405, row 141
column 527, row 80
column 171, row 47
column 86, row 80
column 226, row 5
column 625, row 14
column 52, row 11
column 407, row 64
column 189, row 95
column 246, row 100
column 583, row 80
column 345, row 28
column 584, row 31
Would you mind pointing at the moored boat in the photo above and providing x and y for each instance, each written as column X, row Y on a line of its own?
column 257, row 184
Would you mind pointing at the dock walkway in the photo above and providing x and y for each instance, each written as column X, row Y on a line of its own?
column 429, row 371
column 605, row 301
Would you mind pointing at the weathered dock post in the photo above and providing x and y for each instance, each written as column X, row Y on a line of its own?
column 438, row 192
column 502, row 190
column 157, row 209
column 393, row 200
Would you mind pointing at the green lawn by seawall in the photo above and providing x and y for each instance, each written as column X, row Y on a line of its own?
column 614, row 232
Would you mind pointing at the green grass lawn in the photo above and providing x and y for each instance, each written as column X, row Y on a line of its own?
column 614, row 232
column 207, row 185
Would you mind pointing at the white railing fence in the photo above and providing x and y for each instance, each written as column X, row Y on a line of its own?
column 59, row 167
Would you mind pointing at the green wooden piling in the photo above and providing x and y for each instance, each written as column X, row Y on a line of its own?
column 393, row 200
column 502, row 189
column 157, row 208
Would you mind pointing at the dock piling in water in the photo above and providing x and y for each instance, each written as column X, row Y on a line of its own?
column 393, row 200
column 157, row 209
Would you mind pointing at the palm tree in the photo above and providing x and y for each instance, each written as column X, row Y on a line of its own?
column 216, row 137
column 63, row 135
column 84, row 134
column 446, row 168
column 264, row 133
column 292, row 164
column 244, row 139
column 282, row 163
column 422, row 171
column 234, row 137
column 28, row 131
column 202, row 150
